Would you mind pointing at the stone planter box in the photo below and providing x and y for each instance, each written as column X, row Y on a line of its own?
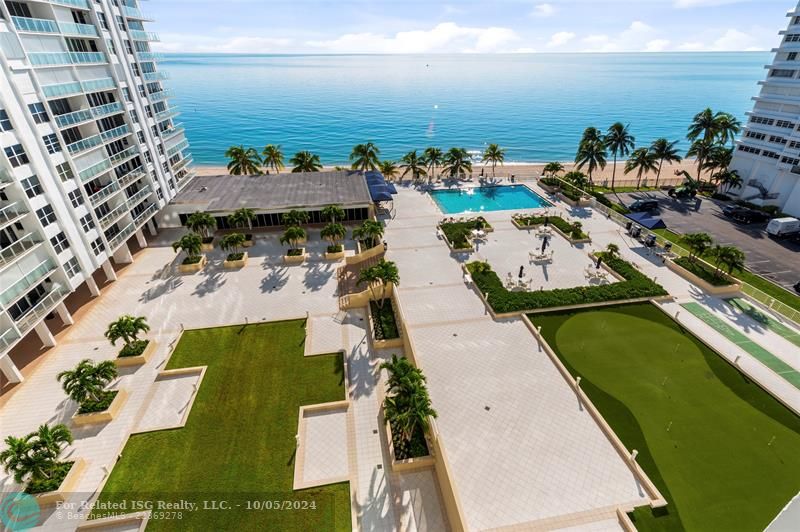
column 728, row 289
column 393, row 343
column 556, row 229
column 236, row 263
column 583, row 202
column 410, row 464
column 550, row 189
column 296, row 259
column 205, row 248
column 68, row 486
column 249, row 243
column 125, row 362
column 335, row 256
column 106, row 415
column 453, row 250
column 193, row 268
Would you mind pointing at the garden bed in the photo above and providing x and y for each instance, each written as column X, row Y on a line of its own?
column 43, row 485
column 136, row 353
column 101, row 411
column 550, row 185
column 207, row 244
column 566, row 229
column 702, row 275
column 235, row 260
column 248, row 241
column 334, row 252
column 634, row 286
column 102, row 404
column 458, row 234
column 415, row 449
column 384, row 322
column 192, row 264
column 295, row 256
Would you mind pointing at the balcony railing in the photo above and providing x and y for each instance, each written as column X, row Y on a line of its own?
column 154, row 76
column 66, row 58
column 170, row 133
column 44, row 307
column 149, row 56
column 182, row 163
column 117, row 132
column 130, row 177
column 77, row 87
column 84, row 144
column 129, row 229
column 160, row 95
column 166, row 114
column 5, row 177
column 124, row 155
column 94, row 170
column 142, row 217
column 178, row 147
column 20, row 247
column 73, row 118
column 72, row 28
column 137, row 198
column 107, row 109
column 139, row 35
column 38, row 25
column 83, row 4
column 29, row 280
column 8, row 338
column 132, row 12
column 12, row 212
column 113, row 215
column 101, row 195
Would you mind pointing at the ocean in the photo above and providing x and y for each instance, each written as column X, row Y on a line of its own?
column 534, row 105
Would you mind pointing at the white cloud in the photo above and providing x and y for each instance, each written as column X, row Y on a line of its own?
column 543, row 10
column 732, row 40
column 635, row 38
column 656, row 45
column 445, row 37
column 177, row 42
column 560, row 39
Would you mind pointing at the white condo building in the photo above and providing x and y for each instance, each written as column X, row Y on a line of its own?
column 767, row 156
column 90, row 152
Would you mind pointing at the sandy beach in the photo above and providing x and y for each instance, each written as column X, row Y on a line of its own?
column 529, row 170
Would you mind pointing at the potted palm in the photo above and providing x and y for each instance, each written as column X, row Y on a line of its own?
column 203, row 224
column 242, row 218
column 380, row 280
column 293, row 237
column 233, row 243
column 33, row 460
column 296, row 218
column 191, row 244
column 86, row 385
column 368, row 235
column 334, row 233
column 134, row 352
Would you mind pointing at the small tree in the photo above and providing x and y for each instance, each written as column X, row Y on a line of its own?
column 242, row 218
column 35, row 456
column 334, row 233
column 292, row 236
column 295, row 218
column 202, row 223
column 380, row 276
column 127, row 329
column 88, row 380
column 333, row 213
column 232, row 243
column 552, row 169
column 369, row 232
column 190, row 243
column 698, row 244
column 612, row 250
column 729, row 258
column 577, row 179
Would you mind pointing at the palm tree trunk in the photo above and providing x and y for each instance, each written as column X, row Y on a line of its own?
column 658, row 175
column 614, row 173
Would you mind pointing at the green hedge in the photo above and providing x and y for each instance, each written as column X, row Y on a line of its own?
column 234, row 256
column 57, row 476
column 550, row 181
column 636, row 285
column 603, row 200
column 704, row 272
column 458, row 233
column 383, row 320
column 416, row 447
column 133, row 349
column 572, row 193
column 102, row 404
column 563, row 225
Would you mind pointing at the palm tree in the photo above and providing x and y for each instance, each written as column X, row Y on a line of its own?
column 17, row 457
column 295, row 218
column 334, row 232
column 612, row 250
column 729, row 257
column 127, row 329
column 701, row 151
column 202, row 223
column 705, row 125
column 242, row 217
column 413, row 163
column 402, row 374
column 333, row 213
column 243, row 161
column 729, row 179
column 577, row 179
column 433, row 157
column 457, row 162
column 305, row 161
column 494, row 154
column 35, row 455
column 698, row 244
column 664, row 150
column 293, row 236
column 643, row 161
column 88, row 380
column 52, row 440
column 369, row 232
column 380, row 275
column 593, row 156
column 273, row 158
column 232, row 243
column 620, row 142
column 365, row 157
column 388, row 169
column 551, row 169
column 591, row 135
column 191, row 243
column 728, row 126
column 718, row 161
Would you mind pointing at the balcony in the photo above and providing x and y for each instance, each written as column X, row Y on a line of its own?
column 124, row 155
column 130, row 177
column 182, row 163
column 60, row 90
column 66, row 58
column 94, row 170
column 137, row 198
column 154, row 76
column 45, row 306
column 104, row 193
column 84, row 144
column 107, row 109
column 12, row 213
column 117, row 240
column 29, row 280
column 132, row 12
column 18, row 249
column 82, row 4
column 178, row 147
column 145, row 215
column 35, row 25
column 72, row 28
column 113, row 215
column 160, row 96
column 74, row 118
column 5, row 178
column 166, row 114
column 117, row 132
column 149, row 56
column 170, row 133
column 7, row 339
column 139, row 35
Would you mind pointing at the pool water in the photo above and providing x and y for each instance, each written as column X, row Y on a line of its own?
column 484, row 199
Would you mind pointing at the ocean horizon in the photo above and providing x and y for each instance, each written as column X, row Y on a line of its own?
column 534, row 105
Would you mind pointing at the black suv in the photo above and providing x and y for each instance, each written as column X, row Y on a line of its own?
column 643, row 205
column 744, row 215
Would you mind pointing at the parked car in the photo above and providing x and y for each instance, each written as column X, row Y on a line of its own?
column 744, row 215
column 783, row 227
column 797, row 287
column 643, row 205
column 682, row 192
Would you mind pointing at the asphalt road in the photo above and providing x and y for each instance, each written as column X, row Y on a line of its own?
column 776, row 260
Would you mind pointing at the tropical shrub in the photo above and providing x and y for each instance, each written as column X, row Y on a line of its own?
column 191, row 244
column 384, row 323
column 243, row 218
column 127, row 329
column 203, row 224
column 407, row 408
column 378, row 278
column 369, row 233
column 334, row 233
column 233, row 243
column 34, row 458
column 459, row 233
column 292, row 236
column 704, row 271
column 86, row 385
column 295, row 218
column 574, row 230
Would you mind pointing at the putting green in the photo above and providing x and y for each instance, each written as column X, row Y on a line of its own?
column 722, row 451
column 765, row 319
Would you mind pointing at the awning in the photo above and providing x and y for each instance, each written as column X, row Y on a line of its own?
column 379, row 192
column 645, row 220
column 391, row 187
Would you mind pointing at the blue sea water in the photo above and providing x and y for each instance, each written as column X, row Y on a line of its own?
column 534, row 105
column 485, row 199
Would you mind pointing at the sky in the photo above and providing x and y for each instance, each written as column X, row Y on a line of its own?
column 466, row 26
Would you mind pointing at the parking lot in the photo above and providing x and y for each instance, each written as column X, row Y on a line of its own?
column 776, row 260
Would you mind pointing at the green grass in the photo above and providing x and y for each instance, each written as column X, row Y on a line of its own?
column 239, row 441
column 704, row 272
column 622, row 190
column 723, row 452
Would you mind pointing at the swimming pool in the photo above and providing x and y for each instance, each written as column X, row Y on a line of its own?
column 484, row 199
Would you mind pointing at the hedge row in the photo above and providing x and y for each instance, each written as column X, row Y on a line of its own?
column 635, row 286
column 706, row 273
column 564, row 226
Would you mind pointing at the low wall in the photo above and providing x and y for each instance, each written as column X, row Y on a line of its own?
column 361, row 256
column 67, row 487
column 729, row 289
column 106, row 415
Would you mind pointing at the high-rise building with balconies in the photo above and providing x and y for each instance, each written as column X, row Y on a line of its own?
column 767, row 156
column 90, row 152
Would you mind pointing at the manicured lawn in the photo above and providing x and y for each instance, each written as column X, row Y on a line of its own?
column 722, row 451
column 239, row 442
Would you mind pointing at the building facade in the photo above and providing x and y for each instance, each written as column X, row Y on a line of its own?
column 767, row 156
column 91, row 151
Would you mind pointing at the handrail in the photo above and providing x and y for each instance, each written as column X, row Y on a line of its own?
column 42, row 308
column 27, row 281
column 20, row 246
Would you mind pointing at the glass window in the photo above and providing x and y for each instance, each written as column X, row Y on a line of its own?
column 31, row 186
column 16, row 155
column 5, row 122
column 65, row 172
column 51, row 143
column 60, row 242
column 87, row 223
column 98, row 247
column 39, row 113
column 46, row 215
column 72, row 267
column 76, row 198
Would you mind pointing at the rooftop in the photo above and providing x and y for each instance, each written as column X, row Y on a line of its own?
column 275, row 192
